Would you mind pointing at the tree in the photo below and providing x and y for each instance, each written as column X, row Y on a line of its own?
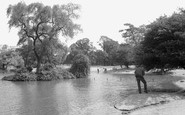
column 82, row 46
column 5, row 57
column 124, row 55
column 27, row 53
column 80, row 66
column 133, row 35
column 16, row 60
column 92, row 57
column 53, row 51
column 101, row 57
column 164, row 43
column 71, row 55
column 10, row 57
column 109, row 46
column 39, row 22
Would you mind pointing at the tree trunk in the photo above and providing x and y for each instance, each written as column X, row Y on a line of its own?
column 4, row 67
column 37, row 57
column 25, row 61
column 121, row 66
column 38, row 65
column 162, row 71
column 127, row 66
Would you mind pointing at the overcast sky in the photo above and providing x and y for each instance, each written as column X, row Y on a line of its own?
column 99, row 17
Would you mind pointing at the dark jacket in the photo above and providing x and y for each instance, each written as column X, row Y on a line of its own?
column 139, row 72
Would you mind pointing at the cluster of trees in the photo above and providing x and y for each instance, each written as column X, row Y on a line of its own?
column 159, row 45
column 10, row 57
column 111, row 52
column 163, row 46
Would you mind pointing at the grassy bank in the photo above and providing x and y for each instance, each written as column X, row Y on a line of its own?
column 156, row 82
column 162, row 89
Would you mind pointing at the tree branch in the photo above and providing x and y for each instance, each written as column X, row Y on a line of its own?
column 23, row 27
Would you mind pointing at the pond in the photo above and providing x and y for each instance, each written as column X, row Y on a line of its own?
column 95, row 95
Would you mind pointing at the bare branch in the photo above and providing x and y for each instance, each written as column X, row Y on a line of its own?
column 30, row 36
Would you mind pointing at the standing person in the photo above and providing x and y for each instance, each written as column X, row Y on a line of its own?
column 139, row 73
column 98, row 70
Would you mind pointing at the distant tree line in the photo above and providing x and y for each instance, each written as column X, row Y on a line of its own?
column 111, row 52
column 158, row 45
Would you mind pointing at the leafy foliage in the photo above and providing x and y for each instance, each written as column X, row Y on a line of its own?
column 133, row 35
column 109, row 46
column 164, row 44
column 27, row 53
column 42, row 24
column 9, row 57
column 101, row 57
column 81, row 66
column 123, row 55
column 82, row 46
column 55, row 73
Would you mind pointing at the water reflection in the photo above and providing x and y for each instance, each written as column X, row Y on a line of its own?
column 9, row 98
column 93, row 95
column 37, row 98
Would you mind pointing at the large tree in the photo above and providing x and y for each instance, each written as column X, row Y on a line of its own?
column 39, row 23
column 108, row 44
column 133, row 35
column 124, row 55
column 164, row 43
column 101, row 57
column 83, row 45
column 110, row 47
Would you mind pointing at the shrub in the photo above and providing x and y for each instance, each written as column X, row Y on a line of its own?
column 55, row 73
column 21, row 77
column 47, row 67
column 81, row 66
column 29, row 68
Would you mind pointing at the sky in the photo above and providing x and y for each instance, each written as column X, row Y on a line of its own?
column 99, row 17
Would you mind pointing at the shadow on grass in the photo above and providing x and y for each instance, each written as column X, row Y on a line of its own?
column 153, row 90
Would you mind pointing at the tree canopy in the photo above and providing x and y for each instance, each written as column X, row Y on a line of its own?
column 124, row 55
column 133, row 35
column 81, row 46
column 10, row 57
column 42, row 23
column 164, row 43
column 110, row 47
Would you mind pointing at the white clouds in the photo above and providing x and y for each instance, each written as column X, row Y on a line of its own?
column 101, row 17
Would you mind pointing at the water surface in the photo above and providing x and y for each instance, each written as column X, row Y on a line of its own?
column 95, row 95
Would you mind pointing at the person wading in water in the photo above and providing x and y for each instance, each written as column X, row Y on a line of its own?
column 139, row 73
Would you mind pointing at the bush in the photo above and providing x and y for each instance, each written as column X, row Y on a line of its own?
column 21, row 77
column 81, row 66
column 55, row 73
column 47, row 67
column 21, row 70
column 29, row 68
column 21, row 74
